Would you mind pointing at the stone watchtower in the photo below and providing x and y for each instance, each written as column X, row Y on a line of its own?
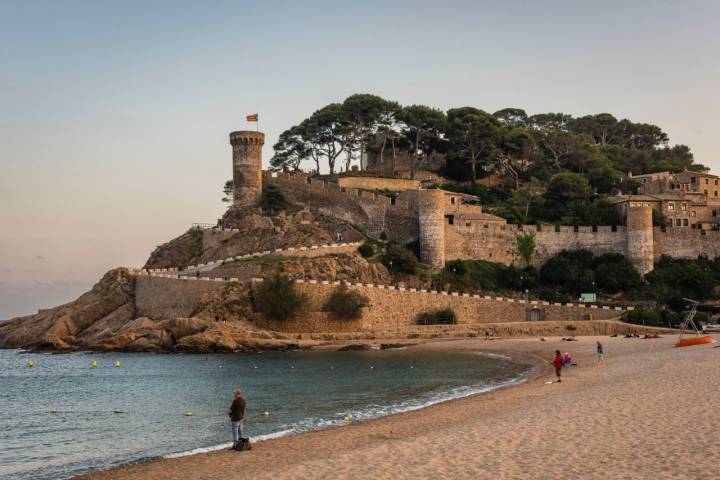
column 431, row 219
column 247, row 167
column 639, row 231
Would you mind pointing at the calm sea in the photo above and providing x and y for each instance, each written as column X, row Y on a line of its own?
column 301, row 391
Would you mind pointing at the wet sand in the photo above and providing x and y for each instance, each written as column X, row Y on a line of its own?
column 647, row 411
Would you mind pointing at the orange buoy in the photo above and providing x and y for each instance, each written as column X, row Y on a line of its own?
column 691, row 341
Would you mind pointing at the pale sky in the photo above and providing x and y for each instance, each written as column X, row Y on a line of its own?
column 114, row 116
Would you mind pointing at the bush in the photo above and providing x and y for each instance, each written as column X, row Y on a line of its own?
column 367, row 249
column 678, row 277
column 643, row 316
column 570, row 327
column 445, row 316
column 345, row 303
column 273, row 199
column 400, row 259
column 614, row 272
column 278, row 298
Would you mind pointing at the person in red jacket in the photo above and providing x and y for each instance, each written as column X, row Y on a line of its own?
column 558, row 363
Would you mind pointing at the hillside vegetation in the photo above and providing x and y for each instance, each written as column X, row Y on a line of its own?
column 547, row 167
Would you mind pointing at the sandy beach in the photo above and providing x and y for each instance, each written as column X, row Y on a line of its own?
column 647, row 411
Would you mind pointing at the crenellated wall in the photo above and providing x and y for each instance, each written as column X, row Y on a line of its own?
column 162, row 295
column 422, row 214
column 685, row 243
column 497, row 243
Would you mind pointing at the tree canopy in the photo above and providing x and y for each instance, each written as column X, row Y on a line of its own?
column 550, row 167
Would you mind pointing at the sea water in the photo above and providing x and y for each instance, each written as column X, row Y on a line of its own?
column 63, row 418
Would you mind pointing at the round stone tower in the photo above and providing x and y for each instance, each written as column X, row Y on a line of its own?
column 431, row 218
column 639, row 231
column 247, row 167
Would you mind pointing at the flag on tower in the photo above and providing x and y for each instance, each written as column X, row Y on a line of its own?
column 252, row 118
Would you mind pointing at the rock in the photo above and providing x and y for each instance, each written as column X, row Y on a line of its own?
column 110, row 299
column 354, row 347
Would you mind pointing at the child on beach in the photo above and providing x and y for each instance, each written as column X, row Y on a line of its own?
column 567, row 360
column 558, row 363
column 599, row 351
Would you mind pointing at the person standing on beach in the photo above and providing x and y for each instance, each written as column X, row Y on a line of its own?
column 599, row 351
column 237, row 415
column 558, row 363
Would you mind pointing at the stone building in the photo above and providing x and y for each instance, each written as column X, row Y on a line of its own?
column 687, row 199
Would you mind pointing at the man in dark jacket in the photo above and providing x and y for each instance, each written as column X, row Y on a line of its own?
column 237, row 414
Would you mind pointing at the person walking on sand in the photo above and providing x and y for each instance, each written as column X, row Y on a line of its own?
column 558, row 363
column 237, row 415
column 599, row 351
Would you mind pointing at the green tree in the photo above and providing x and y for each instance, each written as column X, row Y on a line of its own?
column 615, row 273
column 474, row 132
column 327, row 135
column 228, row 189
column 422, row 125
column 367, row 115
column 399, row 258
column 278, row 299
column 525, row 243
column 512, row 117
column 291, row 150
column 273, row 199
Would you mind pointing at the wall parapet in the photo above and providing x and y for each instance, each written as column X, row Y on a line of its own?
column 403, row 290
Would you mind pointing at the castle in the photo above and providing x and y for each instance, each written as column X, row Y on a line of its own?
column 448, row 227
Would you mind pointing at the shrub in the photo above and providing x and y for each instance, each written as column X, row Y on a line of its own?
column 273, row 199
column 367, row 249
column 614, row 272
column 345, row 303
column 400, row 259
column 570, row 327
column 278, row 298
column 444, row 316
column 526, row 246
column 684, row 278
column 643, row 316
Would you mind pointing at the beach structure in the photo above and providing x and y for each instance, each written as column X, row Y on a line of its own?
column 689, row 322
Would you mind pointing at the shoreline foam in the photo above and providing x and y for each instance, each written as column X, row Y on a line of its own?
column 378, row 412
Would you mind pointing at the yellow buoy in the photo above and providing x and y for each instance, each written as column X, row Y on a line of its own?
column 30, row 363
column 188, row 414
column 93, row 364
column 346, row 419
column 53, row 410
column 266, row 413
column 117, row 363
column 117, row 410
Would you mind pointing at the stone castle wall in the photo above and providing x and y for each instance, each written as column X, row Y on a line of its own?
column 379, row 183
column 685, row 243
column 497, row 243
column 370, row 212
column 391, row 307
column 164, row 298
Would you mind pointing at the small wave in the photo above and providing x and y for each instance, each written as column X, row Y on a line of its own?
column 494, row 355
column 371, row 412
column 222, row 446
